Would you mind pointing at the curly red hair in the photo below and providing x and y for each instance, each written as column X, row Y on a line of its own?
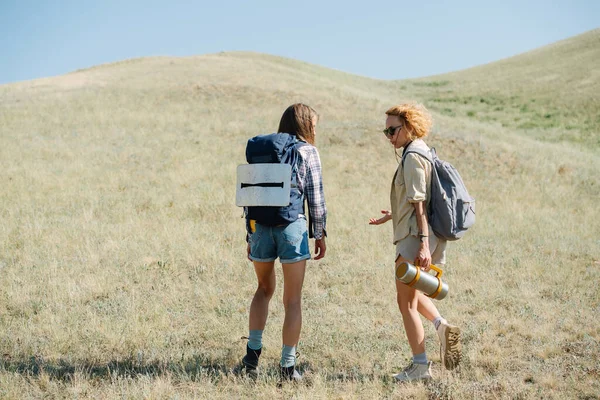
column 416, row 118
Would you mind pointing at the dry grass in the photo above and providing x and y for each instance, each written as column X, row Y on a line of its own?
column 122, row 268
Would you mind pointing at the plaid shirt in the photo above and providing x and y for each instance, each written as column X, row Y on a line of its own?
column 310, row 182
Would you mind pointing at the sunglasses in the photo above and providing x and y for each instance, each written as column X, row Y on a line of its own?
column 389, row 132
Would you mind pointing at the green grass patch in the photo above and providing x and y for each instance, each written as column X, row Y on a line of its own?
column 432, row 83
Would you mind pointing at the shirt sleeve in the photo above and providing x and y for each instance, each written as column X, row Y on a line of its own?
column 415, row 178
column 313, row 189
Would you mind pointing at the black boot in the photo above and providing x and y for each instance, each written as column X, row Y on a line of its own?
column 250, row 362
column 290, row 374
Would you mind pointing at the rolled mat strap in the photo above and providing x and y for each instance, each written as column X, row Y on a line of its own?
column 263, row 184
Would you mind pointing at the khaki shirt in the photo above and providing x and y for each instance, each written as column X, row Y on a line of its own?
column 411, row 184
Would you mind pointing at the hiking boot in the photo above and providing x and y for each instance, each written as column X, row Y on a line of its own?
column 250, row 362
column 414, row 372
column 450, row 347
column 289, row 374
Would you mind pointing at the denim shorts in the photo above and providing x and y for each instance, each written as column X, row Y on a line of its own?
column 288, row 242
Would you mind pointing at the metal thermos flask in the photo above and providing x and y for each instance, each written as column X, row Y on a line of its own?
column 432, row 286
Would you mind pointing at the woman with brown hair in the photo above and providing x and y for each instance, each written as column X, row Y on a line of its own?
column 406, row 125
column 287, row 241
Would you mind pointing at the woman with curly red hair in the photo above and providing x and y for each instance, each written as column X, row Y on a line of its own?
column 406, row 125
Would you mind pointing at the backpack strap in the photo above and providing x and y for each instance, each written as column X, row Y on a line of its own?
column 296, row 156
column 429, row 156
column 311, row 224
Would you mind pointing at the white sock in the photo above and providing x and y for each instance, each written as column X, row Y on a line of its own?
column 438, row 321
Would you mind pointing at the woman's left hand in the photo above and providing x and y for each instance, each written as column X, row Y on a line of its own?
column 387, row 215
column 423, row 259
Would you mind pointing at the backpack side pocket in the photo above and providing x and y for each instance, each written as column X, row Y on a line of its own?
column 465, row 215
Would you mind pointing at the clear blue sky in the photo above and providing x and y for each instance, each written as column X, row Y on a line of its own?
column 387, row 40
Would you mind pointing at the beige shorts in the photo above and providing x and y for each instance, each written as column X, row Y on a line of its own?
column 409, row 246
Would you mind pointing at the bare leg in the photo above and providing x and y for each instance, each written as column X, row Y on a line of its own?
column 427, row 308
column 293, row 278
column 408, row 302
column 259, row 309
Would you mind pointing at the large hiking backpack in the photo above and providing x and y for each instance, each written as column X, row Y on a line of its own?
column 451, row 209
column 268, row 185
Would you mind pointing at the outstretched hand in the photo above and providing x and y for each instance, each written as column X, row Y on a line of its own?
column 387, row 215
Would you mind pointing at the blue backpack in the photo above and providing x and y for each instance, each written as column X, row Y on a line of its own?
column 451, row 209
column 276, row 148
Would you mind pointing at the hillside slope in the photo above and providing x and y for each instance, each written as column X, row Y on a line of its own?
column 551, row 93
column 123, row 270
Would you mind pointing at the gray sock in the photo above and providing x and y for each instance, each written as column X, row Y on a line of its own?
column 288, row 356
column 420, row 358
column 255, row 339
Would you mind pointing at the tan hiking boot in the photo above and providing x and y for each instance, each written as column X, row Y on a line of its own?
column 450, row 347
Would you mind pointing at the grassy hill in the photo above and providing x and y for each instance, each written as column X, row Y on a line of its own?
column 122, row 255
column 552, row 93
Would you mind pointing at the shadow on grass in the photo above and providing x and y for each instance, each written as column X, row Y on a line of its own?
column 194, row 368
column 191, row 369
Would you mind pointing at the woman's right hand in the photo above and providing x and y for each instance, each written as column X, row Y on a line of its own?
column 387, row 215
column 320, row 248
